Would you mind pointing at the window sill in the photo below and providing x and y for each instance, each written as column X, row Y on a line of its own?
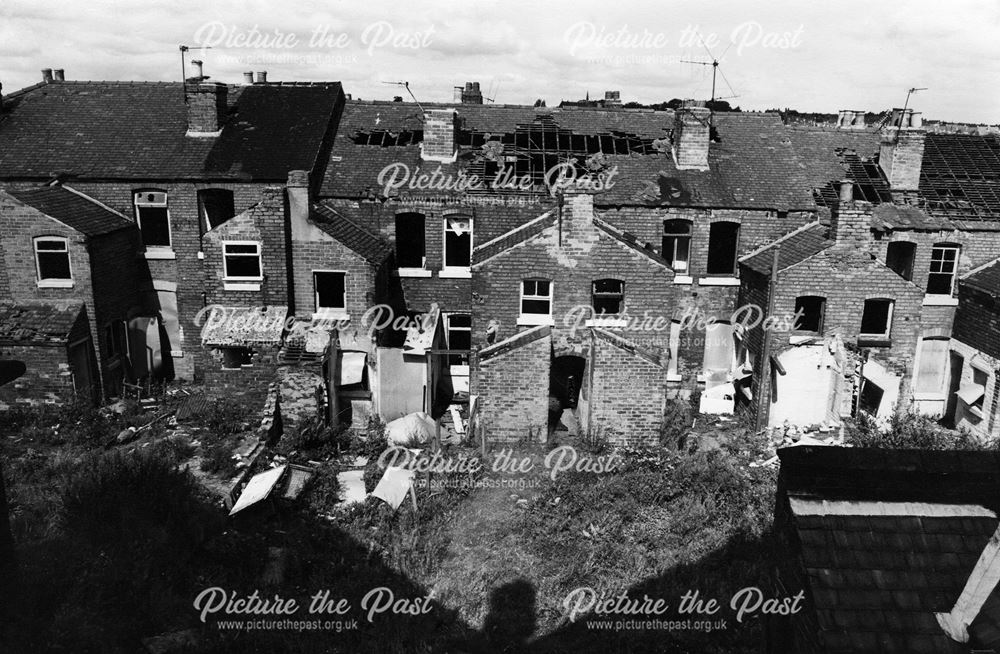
column 534, row 319
column 413, row 272
column 685, row 280
column 240, row 285
column 940, row 301
column 177, row 354
column 606, row 322
column 674, row 377
column 55, row 283
column 719, row 281
column 930, row 397
column 163, row 253
column 455, row 273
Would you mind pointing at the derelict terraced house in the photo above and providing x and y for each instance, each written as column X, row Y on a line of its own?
column 176, row 161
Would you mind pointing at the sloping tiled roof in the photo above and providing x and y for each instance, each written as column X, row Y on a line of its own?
column 73, row 209
column 960, row 174
column 369, row 246
column 795, row 247
column 888, row 538
column 37, row 322
column 518, row 235
column 137, row 130
column 986, row 279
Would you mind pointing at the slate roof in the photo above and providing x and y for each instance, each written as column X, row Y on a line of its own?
column 26, row 323
column 753, row 164
column 137, row 130
column 76, row 210
column 986, row 278
column 796, row 246
column 960, row 174
column 515, row 236
column 359, row 240
column 876, row 580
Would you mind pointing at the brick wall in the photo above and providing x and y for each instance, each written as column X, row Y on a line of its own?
column 439, row 134
column 977, row 321
column 47, row 380
column 627, row 396
column 514, row 387
column 248, row 384
column 985, row 424
column 361, row 286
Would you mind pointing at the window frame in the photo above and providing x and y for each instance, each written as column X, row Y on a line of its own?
column 329, row 310
column 53, row 282
column 136, row 204
column 444, row 243
column 246, row 278
column 462, row 359
column 594, row 294
column 736, row 248
column 535, row 318
column 672, row 259
column 944, row 247
column 870, row 336
column 822, row 314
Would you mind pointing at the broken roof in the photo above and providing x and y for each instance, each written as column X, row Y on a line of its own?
column 888, row 538
column 370, row 247
column 985, row 278
column 41, row 323
column 137, row 130
column 74, row 209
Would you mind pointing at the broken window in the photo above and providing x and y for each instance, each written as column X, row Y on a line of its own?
column 723, row 238
column 899, row 257
column 330, row 288
column 215, row 206
column 810, row 310
column 52, row 259
column 536, row 297
column 876, row 320
column 677, row 243
column 457, row 241
column 944, row 262
column 608, row 296
column 410, row 251
column 236, row 357
column 459, row 334
column 241, row 260
column 870, row 396
column 153, row 218
column 116, row 339
column 932, row 368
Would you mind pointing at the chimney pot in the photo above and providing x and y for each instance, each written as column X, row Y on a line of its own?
column 199, row 72
column 261, row 76
column 59, row 74
column 471, row 94
column 46, row 75
column 248, row 78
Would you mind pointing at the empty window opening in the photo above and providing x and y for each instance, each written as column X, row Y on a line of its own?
column 677, row 243
column 52, row 258
column 723, row 239
column 809, row 311
column 876, row 320
column 944, row 262
column 609, row 296
column 215, row 205
column 457, row 241
column 459, row 334
column 241, row 260
column 236, row 357
column 899, row 257
column 153, row 218
column 932, row 369
column 330, row 288
column 116, row 339
column 410, row 240
column 536, row 297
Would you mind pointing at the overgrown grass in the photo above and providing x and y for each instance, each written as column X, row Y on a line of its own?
column 909, row 430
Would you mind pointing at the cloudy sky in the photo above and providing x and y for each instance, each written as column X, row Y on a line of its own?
column 812, row 56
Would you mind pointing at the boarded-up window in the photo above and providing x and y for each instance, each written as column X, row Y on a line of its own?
column 932, row 369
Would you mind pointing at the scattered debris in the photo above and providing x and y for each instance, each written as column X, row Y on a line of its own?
column 413, row 428
column 394, row 485
column 258, row 488
column 352, row 486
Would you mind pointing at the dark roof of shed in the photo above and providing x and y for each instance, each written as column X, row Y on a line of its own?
column 986, row 279
column 73, row 209
column 877, row 580
column 137, row 130
column 370, row 247
column 796, row 246
column 38, row 322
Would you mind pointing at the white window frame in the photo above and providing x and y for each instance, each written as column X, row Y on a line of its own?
column 329, row 311
column 888, row 320
column 460, row 272
column 53, row 282
column 155, row 251
column 225, row 263
column 535, row 318
column 957, row 249
column 673, row 255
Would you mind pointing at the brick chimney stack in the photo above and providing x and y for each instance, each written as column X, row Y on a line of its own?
column 206, row 105
column 691, row 136
column 471, row 94
column 850, row 220
column 439, row 142
column 901, row 151
column 47, row 75
column 612, row 98
column 299, row 206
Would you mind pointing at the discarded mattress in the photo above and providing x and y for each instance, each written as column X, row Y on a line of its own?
column 416, row 427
